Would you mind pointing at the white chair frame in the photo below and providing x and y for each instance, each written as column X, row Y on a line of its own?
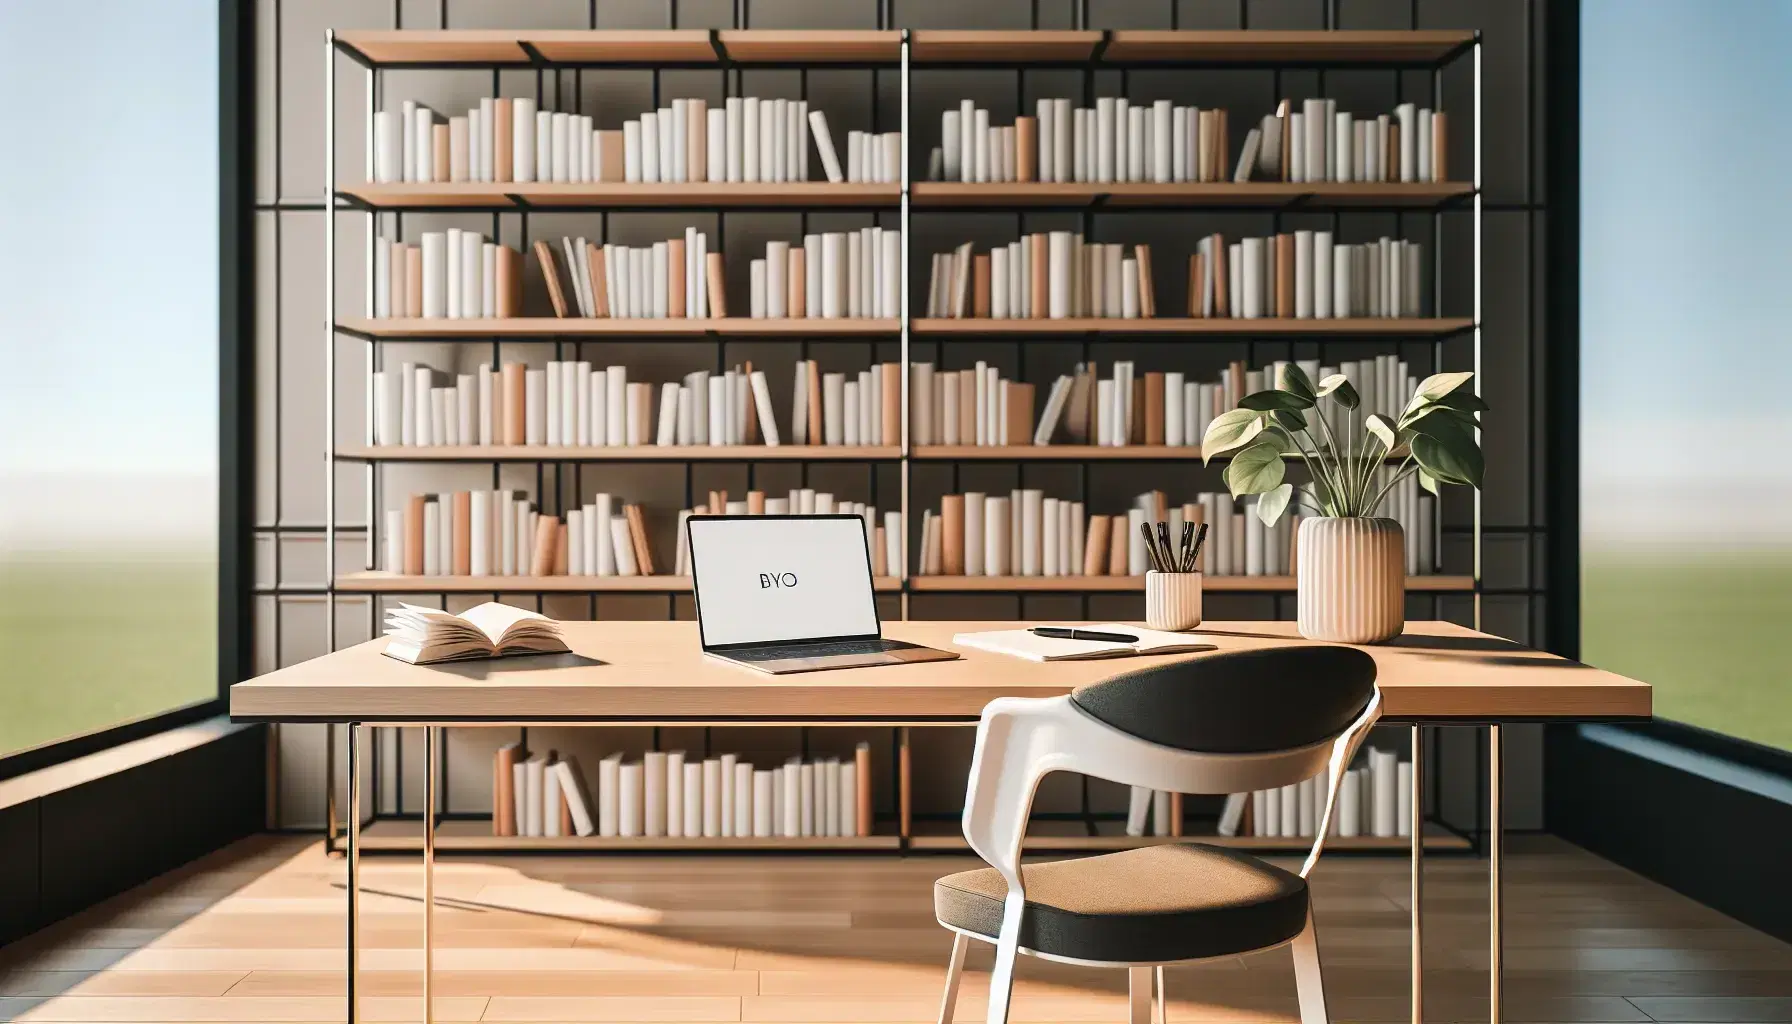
column 1021, row 740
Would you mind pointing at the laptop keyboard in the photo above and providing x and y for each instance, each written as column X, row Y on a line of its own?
column 820, row 650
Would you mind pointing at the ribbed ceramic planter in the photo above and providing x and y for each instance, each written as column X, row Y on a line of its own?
column 1351, row 579
column 1172, row 600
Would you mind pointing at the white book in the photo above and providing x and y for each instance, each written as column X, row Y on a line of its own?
column 671, row 782
column 388, row 140
column 1232, row 814
column 653, row 793
column 749, row 138
column 716, row 144
column 1138, row 805
column 632, row 162
column 712, row 792
column 824, row 146
column 680, row 141
column 693, row 798
column 744, row 799
column 629, row 797
column 650, row 147
column 668, row 421
column 950, row 153
column 790, row 800
column 1304, row 793
column 534, row 785
column 764, row 782
column 408, row 141
column 1304, row 267
column 572, row 790
column 424, row 136
column 1384, row 805
column 522, row 139
column 734, row 110
column 485, row 142
column 770, row 144
column 421, row 636
column 1403, row 799
column 550, row 800
column 762, row 401
column 1290, row 807
column 1162, row 149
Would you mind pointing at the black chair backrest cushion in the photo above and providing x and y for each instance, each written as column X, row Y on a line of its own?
column 1238, row 702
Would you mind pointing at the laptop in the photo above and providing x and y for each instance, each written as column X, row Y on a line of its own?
column 783, row 594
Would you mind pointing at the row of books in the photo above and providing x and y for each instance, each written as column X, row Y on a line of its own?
column 667, row 793
column 1113, row 141
column 1047, row 274
column 883, row 536
column 1375, row 799
column 831, row 275
column 1319, row 142
column 1305, row 274
column 501, row 533
column 504, row 139
column 453, row 274
column 577, row 404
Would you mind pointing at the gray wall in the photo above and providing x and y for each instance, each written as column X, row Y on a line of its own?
column 290, row 389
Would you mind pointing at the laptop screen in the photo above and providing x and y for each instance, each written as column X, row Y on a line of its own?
column 769, row 579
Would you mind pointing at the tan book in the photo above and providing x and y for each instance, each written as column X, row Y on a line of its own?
column 504, row 787
column 952, row 534
column 1077, row 407
column 463, row 533
column 1197, row 271
column 562, row 553
column 547, row 536
column 637, row 531
column 413, row 281
column 442, row 152
column 600, row 288
column 1154, row 408
column 1237, row 392
column 1293, row 545
column 796, row 295
column 967, row 406
column 643, row 409
column 892, row 403
column 718, row 289
column 1147, row 294
column 413, row 535
column 755, row 503
column 879, row 553
column 1222, row 291
column 1439, row 148
column 1284, row 275
column 813, row 404
column 1207, row 124
column 961, row 281
column 610, row 156
column 752, row 427
column 1135, row 424
column 980, row 285
column 1118, row 539
column 1222, row 145
column 560, row 801
column 861, row 777
column 674, row 278
column 507, row 282
column 1041, row 291
column 1095, row 545
column 544, row 254
column 1026, row 146
column 1390, row 161
column 1020, row 412
column 503, row 145
column 516, row 391
column 696, row 140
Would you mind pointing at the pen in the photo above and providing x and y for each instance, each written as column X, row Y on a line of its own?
column 1062, row 633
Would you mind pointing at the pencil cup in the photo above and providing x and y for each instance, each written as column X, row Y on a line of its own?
column 1172, row 600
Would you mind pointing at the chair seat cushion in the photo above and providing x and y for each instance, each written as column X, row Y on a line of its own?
column 1155, row 903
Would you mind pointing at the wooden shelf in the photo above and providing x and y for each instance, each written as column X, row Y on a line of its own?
column 373, row 582
column 1212, row 326
column 925, row 195
column 435, row 328
column 476, row 835
column 622, row 453
column 1054, row 452
column 1136, row 584
column 597, row 47
column 938, row 46
column 516, row 195
column 1437, row 840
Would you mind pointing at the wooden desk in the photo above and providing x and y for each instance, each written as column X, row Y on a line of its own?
column 653, row 671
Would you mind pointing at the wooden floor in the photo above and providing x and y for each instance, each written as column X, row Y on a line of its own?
column 255, row 933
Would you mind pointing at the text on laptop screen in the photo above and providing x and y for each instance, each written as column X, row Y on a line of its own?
column 765, row 579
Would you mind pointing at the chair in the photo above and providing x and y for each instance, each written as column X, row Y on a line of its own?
column 1223, row 723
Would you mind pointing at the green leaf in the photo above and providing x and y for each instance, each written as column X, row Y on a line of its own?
column 1452, row 458
column 1292, row 378
column 1271, row 401
column 1466, row 402
column 1255, row 469
column 1289, row 420
column 1341, row 390
column 1438, row 385
column 1273, row 502
column 1383, row 431
column 1229, row 430
column 1427, row 481
column 1414, row 415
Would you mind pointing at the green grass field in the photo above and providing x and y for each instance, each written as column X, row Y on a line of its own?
column 1705, row 629
column 91, row 644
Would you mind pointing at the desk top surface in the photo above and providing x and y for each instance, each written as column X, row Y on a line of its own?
column 647, row 671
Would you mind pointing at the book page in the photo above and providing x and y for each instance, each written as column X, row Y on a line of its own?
column 494, row 619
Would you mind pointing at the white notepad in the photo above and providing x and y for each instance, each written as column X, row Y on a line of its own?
column 1020, row 643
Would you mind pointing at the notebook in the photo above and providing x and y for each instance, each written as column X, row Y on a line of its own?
column 1021, row 644
column 422, row 636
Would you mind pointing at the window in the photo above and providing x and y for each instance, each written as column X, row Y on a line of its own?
column 1686, row 419
column 109, row 323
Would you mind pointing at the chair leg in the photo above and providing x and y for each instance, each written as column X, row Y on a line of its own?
column 1001, row 977
column 1163, row 998
column 1309, row 985
column 954, row 968
column 1138, row 991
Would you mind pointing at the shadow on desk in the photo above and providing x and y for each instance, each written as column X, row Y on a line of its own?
column 492, row 668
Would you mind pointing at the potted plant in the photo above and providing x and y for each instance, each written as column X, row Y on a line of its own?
column 1351, row 571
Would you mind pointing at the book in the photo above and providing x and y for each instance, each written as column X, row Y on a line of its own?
column 1020, row 643
column 425, row 636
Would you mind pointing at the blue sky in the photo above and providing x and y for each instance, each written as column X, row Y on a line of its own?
column 1686, row 284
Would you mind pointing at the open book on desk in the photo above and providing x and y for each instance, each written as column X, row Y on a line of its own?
column 423, row 636
column 1022, row 643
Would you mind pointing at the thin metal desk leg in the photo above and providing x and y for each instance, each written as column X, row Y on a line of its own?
column 1495, row 854
column 352, row 841
column 429, row 871
column 1418, row 875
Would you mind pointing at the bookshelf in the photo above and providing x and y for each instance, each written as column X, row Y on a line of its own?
column 1408, row 55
